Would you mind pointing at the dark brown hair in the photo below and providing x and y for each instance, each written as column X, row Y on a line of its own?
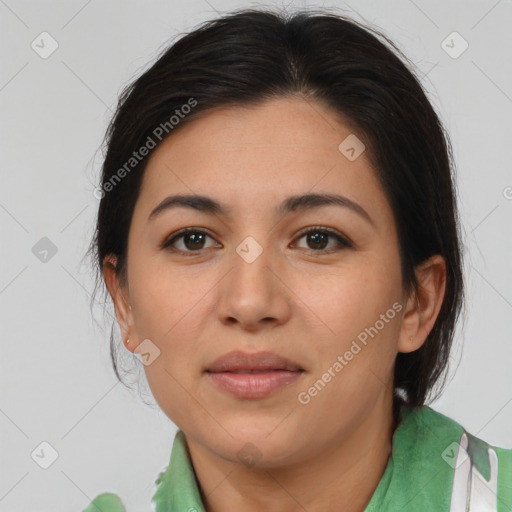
column 248, row 56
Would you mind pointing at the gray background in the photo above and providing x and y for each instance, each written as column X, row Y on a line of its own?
column 58, row 385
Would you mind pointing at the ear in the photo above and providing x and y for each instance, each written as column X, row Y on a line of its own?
column 423, row 308
column 120, row 297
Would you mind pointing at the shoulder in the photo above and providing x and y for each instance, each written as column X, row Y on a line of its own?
column 108, row 502
column 172, row 489
column 427, row 419
column 481, row 471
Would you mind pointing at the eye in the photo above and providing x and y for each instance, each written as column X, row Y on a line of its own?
column 192, row 240
column 318, row 237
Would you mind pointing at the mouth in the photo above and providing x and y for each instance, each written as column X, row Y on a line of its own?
column 253, row 376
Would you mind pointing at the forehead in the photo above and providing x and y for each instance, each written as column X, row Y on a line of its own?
column 249, row 155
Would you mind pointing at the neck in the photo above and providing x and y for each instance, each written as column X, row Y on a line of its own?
column 342, row 477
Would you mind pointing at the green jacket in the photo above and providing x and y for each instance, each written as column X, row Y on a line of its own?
column 435, row 466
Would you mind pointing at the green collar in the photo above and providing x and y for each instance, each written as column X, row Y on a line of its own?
column 178, row 490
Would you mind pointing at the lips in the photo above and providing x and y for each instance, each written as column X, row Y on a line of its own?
column 253, row 376
column 243, row 362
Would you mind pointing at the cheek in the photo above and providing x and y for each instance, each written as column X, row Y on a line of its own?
column 165, row 297
column 170, row 390
column 358, row 307
column 172, row 375
column 346, row 300
column 166, row 314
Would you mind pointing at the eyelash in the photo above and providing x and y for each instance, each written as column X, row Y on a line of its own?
column 342, row 241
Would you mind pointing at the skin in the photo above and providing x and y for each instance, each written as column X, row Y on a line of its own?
column 326, row 455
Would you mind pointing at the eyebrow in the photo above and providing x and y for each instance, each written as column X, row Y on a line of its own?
column 289, row 205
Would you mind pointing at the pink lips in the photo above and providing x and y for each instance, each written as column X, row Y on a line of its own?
column 254, row 375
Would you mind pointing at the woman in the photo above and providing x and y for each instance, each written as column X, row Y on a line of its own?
column 278, row 231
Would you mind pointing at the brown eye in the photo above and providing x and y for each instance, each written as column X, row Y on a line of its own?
column 318, row 239
column 192, row 240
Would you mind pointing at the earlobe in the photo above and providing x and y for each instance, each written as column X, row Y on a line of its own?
column 423, row 307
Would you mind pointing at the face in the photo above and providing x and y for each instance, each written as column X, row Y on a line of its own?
column 318, row 283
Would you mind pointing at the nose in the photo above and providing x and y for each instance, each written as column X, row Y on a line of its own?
column 253, row 295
